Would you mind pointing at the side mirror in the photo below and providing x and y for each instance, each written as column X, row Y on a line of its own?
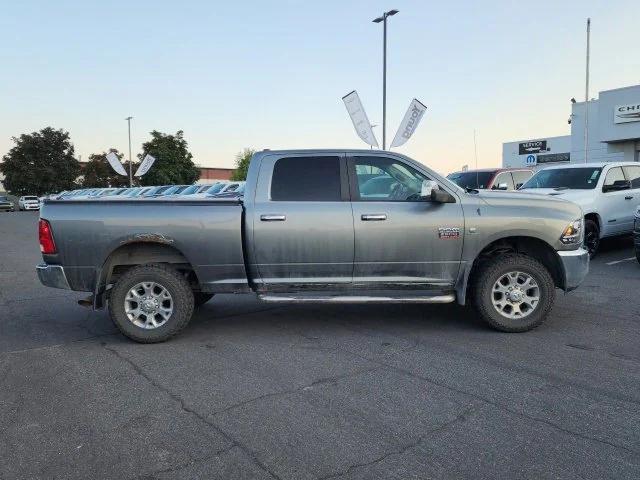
column 440, row 196
column 518, row 185
column 430, row 192
column 427, row 188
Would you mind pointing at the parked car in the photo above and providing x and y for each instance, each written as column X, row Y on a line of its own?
column 156, row 191
column 492, row 178
column 193, row 189
column 28, row 202
column 605, row 191
column 303, row 233
column 231, row 187
column 238, row 192
column 636, row 233
column 174, row 190
column 6, row 205
column 212, row 189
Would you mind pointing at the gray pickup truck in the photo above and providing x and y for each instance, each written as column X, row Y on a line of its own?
column 330, row 226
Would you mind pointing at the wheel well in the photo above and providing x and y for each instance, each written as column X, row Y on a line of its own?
column 138, row 253
column 595, row 217
column 530, row 246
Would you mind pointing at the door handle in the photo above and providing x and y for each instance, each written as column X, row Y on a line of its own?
column 628, row 197
column 373, row 217
column 273, row 218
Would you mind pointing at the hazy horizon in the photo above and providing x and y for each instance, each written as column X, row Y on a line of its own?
column 272, row 76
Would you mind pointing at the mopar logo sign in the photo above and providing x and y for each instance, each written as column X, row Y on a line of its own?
column 531, row 160
column 626, row 113
column 527, row 148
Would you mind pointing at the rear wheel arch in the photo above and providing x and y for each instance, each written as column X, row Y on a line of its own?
column 132, row 254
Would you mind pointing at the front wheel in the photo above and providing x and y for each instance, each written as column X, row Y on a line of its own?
column 513, row 293
column 151, row 303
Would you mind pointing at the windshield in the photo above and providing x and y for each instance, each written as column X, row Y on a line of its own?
column 30, row 198
column 571, row 178
column 476, row 180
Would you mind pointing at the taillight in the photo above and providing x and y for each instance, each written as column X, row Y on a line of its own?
column 47, row 245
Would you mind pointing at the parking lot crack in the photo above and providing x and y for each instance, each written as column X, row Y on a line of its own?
column 187, row 464
column 514, row 412
column 315, row 383
column 460, row 417
column 189, row 410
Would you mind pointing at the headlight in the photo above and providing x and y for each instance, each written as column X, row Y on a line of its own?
column 573, row 233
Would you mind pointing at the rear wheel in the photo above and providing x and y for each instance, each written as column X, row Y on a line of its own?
column 513, row 293
column 591, row 237
column 151, row 303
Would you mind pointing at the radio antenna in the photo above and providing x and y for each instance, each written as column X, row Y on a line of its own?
column 475, row 150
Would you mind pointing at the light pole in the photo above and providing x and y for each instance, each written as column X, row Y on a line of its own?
column 383, row 19
column 128, row 119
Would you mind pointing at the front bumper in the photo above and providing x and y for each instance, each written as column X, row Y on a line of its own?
column 31, row 207
column 575, row 264
column 52, row 276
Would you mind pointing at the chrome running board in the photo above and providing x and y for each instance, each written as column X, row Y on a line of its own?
column 274, row 298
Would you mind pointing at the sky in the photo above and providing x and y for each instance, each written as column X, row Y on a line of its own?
column 271, row 74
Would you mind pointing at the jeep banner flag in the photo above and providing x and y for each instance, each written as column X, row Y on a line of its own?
column 409, row 123
column 359, row 118
column 114, row 161
column 144, row 167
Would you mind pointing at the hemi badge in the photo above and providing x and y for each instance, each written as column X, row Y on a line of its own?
column 447, row 233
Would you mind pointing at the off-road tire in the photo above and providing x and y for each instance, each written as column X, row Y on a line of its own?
column 200, row 298
column 489, row 273
column 592, row 227
column 169, row 278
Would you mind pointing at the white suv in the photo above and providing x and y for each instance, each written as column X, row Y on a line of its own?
column 607, row 192
column 28, row 203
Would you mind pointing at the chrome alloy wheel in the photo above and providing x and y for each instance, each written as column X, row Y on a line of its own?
column 148, row 305
column 515, row 295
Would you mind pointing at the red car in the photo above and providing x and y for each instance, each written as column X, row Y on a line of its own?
column 492, row 178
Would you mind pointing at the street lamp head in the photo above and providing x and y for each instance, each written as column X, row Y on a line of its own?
column 378, row 20
column 392, row 12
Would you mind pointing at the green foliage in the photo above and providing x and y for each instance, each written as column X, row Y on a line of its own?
column 173, row 165
column 40, row 163
column 243, row 159
column 98, row 173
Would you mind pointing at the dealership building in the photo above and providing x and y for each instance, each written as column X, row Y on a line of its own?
column 613, row 133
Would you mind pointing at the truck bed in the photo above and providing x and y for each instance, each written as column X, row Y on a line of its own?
column 207, row 232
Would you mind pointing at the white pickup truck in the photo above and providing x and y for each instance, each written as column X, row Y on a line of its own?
column 607, row 192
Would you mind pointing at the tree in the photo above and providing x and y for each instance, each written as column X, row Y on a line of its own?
column 173, row 165
column 98, row 173
column 242, row 164
column 40, row 163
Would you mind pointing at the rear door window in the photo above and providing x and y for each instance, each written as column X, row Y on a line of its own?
column 306, row 179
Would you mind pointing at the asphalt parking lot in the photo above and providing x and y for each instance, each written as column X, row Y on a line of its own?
column 250, row 390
